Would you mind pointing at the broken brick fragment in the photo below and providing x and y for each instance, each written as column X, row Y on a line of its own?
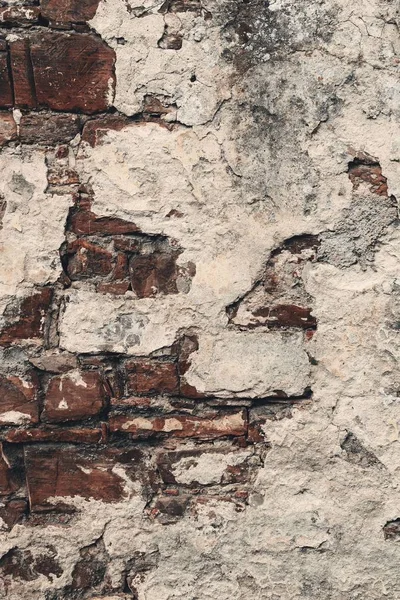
column 13, row 511
column 286, row 315
column 48, row 129
column 153, row 274
column 68, row 471
column 85, row 222
column 32, row 318
column 95, row 130
column 366, row 169
column 68, row 11
column 21, row 564
column 152, row 377
column 18, row 400
column 85, row 260
column 8, row 127
column 19, row 16
column 74, row 396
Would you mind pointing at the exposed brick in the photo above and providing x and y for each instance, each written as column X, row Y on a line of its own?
column 32, row 318
column 48, row 129
column 6, row 486
column 117, row 288
column 126, row 244
column 6, row 93
column 180, row 467
column 68, row 11
column 181, row 426
column 18, row 400
column 13, row 511
column 54, row 362
column 12, row 473
column 168, row 510
column 96, row 129
column 90, row 569
column 23, row 80
column 286, row 315
column 68, row 471
column 185, row 347
column 8, row 127
column 153, row 274
column 152, row 377
column 21, row 564
column 85, row 260
column 391, row 530
column 73, row 435
column 72, row 72
column 74, row 396
column 19, row 16
column 366, row 169
column 85, row 222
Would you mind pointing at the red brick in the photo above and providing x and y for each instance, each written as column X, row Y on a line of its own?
column 72, row 72
column 21, row 564
column 13, row 511
column 95, row 130
column 19, row 16
column 6, row 486
column 32, row 318
column 152, row 377
column 23, row 80
column 239, row 473
column 48, row 129
column 117, row 288
column 185, row 347
column 153, row 274
column 68, row 11
column 74, row 396
column 286, row 315
column 18, row 400
column 367, row 170
column 8, row 128
column 70, row 471
column 85, row 260
column 71, row 435
column 85, row 222
column 181, row 426
column 6, row 93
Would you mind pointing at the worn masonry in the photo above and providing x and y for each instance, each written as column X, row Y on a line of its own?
column 199, row 299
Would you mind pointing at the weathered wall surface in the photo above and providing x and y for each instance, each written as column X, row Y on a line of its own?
column 199, row 299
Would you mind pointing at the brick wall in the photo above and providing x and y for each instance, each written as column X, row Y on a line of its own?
column 198, row 314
